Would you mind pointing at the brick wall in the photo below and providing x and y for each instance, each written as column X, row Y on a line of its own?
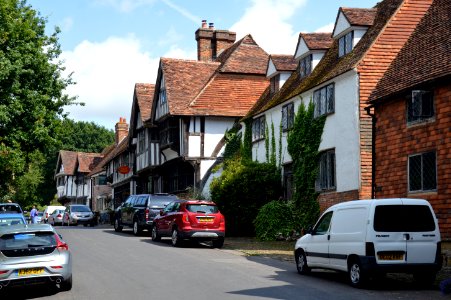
column 328, row 199
column 395, row 141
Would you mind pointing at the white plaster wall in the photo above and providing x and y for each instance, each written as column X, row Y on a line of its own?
column 206, row 192
column 205, row 164
column 341, row 131
column 271, row 69
column 214, row 132
column 302, row 49
column 358, row 34
column 341, row 26
column 316, row 57
column 194, row 146
column 283, row 78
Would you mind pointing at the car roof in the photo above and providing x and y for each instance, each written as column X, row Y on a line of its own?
column 26, row 228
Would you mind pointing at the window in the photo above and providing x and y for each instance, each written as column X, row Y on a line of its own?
column 420, row 107
column 287, row 116
column 405, row 218
column 162, row 92
column 323, row 225
column 274, row 83
column 422, row 172
column 324, row 99
column 326, row 174
column 305, row 66
column 141, row 141
column 288, row 183
column 345, row 44
column 258, row 128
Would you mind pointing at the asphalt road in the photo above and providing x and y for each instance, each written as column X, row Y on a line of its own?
column 110, row 265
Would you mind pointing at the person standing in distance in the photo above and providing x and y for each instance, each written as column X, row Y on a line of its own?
column 33, row 214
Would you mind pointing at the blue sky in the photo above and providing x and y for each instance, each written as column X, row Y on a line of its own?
column 110, row 45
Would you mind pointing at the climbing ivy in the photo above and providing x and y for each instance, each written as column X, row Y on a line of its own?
column 273, row 146
column 303, row 143
column 247, row 141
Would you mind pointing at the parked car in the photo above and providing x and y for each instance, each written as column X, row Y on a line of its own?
column 138, row 211
column 50, row 209
column 56, row 217
column 40, row 217
column 76, row 214
column 34, row 254
column 8, row 219
column 11, row 207
column 190, row 220
column 368, row 238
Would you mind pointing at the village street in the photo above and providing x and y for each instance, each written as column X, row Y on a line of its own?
column 110, row 265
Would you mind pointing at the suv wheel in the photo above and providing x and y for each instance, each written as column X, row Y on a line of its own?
column 155, row 236
column 136, row 228
column 117, row 225
column 175, row 238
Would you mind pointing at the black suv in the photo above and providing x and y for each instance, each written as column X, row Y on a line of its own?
column 138, row 211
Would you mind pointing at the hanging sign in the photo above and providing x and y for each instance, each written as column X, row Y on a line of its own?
column 123, row 169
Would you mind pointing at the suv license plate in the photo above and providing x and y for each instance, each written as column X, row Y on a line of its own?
column 33, row 271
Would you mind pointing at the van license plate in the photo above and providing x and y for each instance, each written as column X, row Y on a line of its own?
column 391, row 256
column 33, row 271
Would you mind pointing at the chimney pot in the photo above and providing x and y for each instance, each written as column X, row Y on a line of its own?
column 211, row 25
column 204, row 24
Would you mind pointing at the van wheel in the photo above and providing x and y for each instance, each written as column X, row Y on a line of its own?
column 301, row 263
column 357, row 277
column 175, row 238
column 155, row 236
column 117, row 225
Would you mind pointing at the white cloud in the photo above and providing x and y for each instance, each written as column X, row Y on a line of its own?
column 106, row 73
column 326, row 28
column 67, row 24
column 268, row 21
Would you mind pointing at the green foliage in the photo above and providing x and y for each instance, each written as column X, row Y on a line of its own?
column 233, row 143
column 303, row 143
column 31, row 95
column 267, row 142
column 243, row 187
column 273, row 146
column 274, row 220
column 247, row 141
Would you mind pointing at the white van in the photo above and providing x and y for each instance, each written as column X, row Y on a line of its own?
column 49, row 210
column 367, row 238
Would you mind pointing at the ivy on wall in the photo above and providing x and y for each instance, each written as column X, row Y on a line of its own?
column 303, row 143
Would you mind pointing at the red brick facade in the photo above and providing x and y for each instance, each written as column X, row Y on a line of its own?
column 395, row 141
column 328, row 199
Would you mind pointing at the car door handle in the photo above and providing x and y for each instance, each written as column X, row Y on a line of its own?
column 406, row 236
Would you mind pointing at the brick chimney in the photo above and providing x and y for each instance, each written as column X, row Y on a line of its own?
column 211, row 42
column 121, row 130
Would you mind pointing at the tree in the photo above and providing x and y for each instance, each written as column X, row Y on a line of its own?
column 31, row 97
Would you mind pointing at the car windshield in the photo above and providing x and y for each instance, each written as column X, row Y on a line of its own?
column 10, row 208
column 202, row 208
column 26, row 240
column 80, row 209
column 11, row 221
column 40, row 214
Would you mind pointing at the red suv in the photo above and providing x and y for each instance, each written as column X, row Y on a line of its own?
column 190, row 220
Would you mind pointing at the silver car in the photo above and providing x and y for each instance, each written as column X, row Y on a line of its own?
column 34, row 254
column 56, row 217
column 79, row 214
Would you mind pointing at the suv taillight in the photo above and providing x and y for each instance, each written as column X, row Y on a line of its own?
column 58, row 216
column 147, row 214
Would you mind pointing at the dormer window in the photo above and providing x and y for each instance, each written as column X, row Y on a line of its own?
column 345, row 44
column 305, row 66
column 274, row 83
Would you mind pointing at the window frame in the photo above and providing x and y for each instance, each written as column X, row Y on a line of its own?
column 258, row 133
column 305, row 65
column 422, row 188
column 288, row 116
column 345, row 44
column 324, row 94
column 418, row 100
column 327, row 163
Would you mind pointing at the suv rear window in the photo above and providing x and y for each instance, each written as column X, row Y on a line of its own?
column 403, row 218
column 202, row 208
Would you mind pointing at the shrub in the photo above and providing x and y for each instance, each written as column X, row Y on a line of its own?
column 274, row 221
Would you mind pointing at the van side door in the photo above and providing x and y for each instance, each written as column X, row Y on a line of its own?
column 317, row 248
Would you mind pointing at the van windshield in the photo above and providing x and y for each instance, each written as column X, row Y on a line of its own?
column 404, row 218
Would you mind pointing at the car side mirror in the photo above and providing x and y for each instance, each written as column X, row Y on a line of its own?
column 161, row 212
column 310, row 230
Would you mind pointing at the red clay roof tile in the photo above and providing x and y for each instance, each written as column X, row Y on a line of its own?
column 283, row 62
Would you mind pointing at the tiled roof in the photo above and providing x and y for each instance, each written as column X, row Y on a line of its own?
column 87, row 161
column 100, row 166
column 425, row 57
column 317, row 41
column 69, row 161
column 283, row 62
column 332, row 66
column 227, row 87
column 359, row 16
column 144, row 94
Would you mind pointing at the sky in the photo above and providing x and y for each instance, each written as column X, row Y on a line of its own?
column 109, row 45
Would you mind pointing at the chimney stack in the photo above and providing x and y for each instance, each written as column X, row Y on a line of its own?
column 211, row 42
column 121, row 130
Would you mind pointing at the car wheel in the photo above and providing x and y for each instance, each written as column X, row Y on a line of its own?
column 155, row 236
column 357, row 277
column 67, row 284
column 301, row 262
column 117, row 225
column 136, row 228
column 175, row 238
column 218, row 243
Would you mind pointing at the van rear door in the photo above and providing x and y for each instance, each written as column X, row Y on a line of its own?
column 387, row 232
column 421, row 230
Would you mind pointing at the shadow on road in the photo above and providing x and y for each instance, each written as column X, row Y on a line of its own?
column 28, row 292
